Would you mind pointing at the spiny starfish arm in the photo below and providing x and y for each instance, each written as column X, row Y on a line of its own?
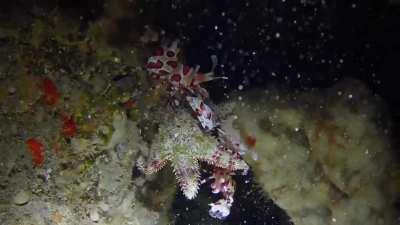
column 188, row 176
column 227, row 159
column 148, row 168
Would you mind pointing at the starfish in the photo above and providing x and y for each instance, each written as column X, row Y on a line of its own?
column 183, row 144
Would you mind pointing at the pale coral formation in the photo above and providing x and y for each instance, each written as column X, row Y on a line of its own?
column 324, row 157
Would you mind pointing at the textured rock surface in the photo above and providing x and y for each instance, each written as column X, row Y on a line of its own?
column 323, row 157
column 58, row 88
column 22, row 197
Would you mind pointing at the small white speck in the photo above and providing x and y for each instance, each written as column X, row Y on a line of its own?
column 386, row 131
column 350, row 96
column 240, row 87
column 278, row 35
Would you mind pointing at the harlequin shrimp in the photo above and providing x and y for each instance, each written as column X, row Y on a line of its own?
column 164, row 60
column 185, row 82
column 224, row 184
column 164, row 66
column 203, row 112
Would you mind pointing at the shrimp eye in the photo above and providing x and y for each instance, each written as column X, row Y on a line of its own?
column 170, row 54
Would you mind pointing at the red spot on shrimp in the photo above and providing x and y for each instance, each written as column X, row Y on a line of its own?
column 36, row 148
column 176, row 77
column 154, row 65
column 172, row 64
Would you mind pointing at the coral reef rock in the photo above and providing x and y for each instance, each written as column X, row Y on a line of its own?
column 67, row 144
column 325, row 157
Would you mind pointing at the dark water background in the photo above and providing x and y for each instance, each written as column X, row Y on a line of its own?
column 359, row 39
column 301, row 46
